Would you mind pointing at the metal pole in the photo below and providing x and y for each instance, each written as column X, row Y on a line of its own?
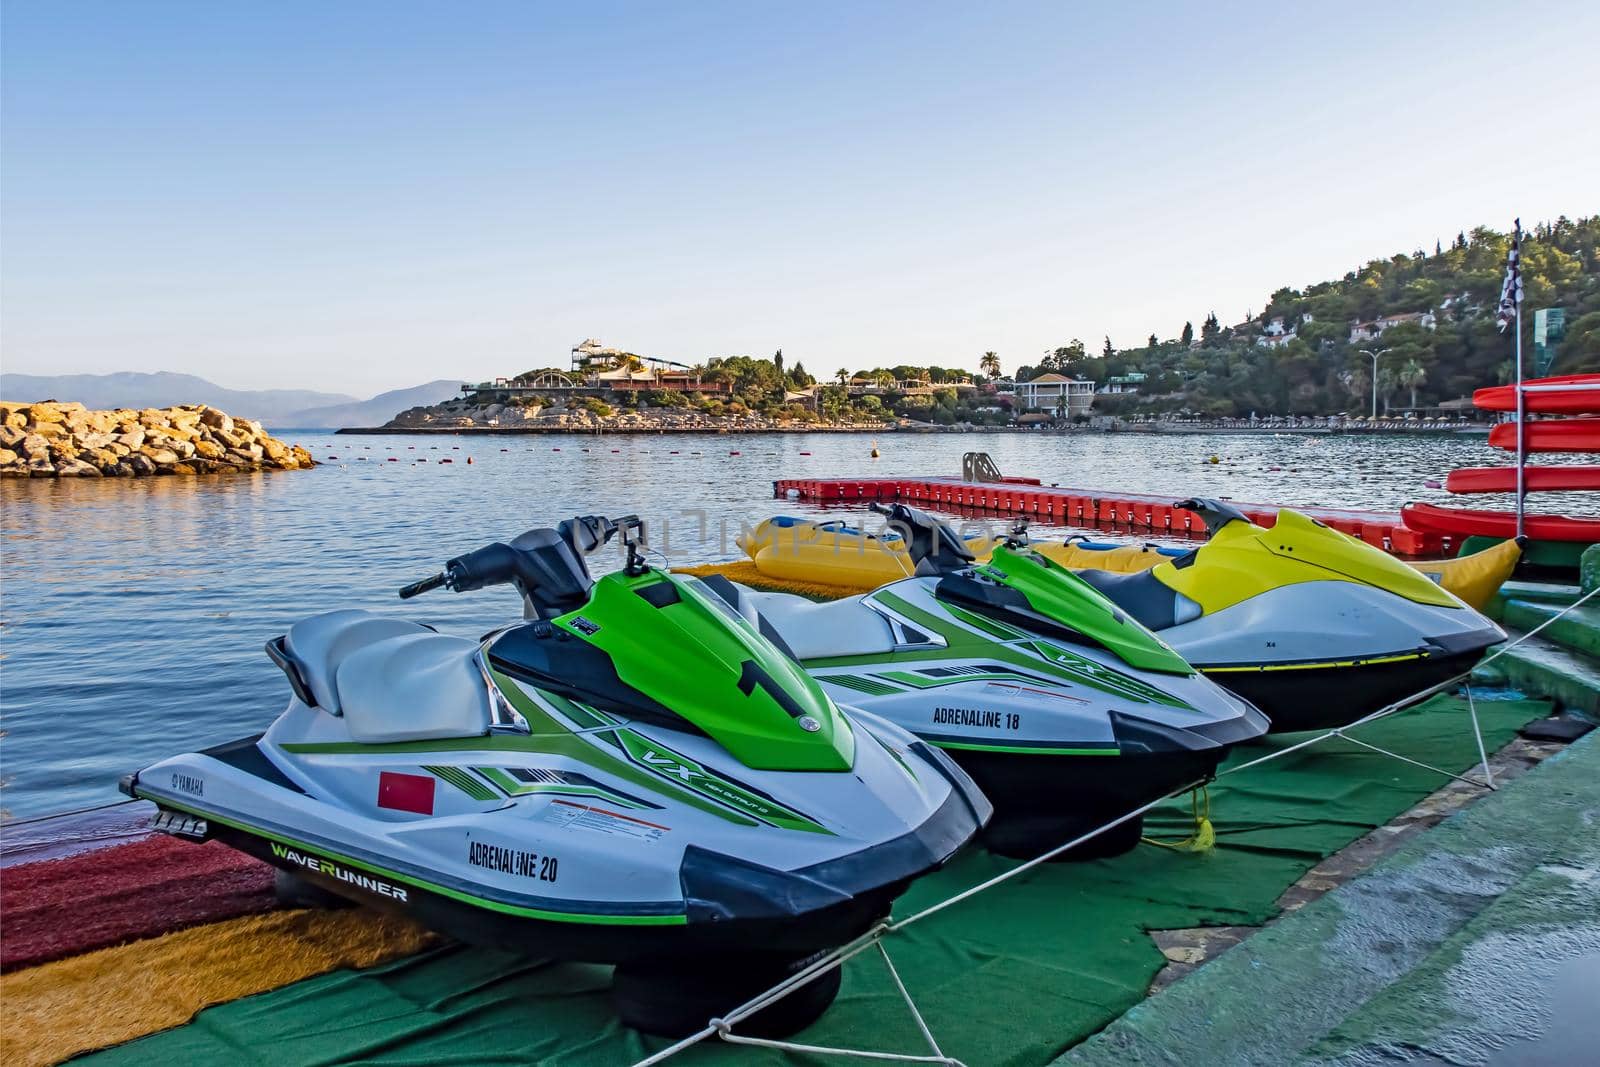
column 1369, row 353
column 1522, row 423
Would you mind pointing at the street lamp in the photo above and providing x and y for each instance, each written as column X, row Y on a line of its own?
column 1374, row 355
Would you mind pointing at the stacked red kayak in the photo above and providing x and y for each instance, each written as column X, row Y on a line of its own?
column 1566, row 395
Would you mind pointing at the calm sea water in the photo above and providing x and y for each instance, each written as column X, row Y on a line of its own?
column 134, row 612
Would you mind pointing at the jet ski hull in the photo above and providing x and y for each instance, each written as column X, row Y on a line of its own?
column 1321, row 697
column 606, row 939
column 1042, row 802
column 513, row 877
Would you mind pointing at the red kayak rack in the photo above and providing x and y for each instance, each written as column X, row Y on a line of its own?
column 1569, row 394
column 1565, row 395
column 1550, row 435
column 1474, row 522
column 1580, row 477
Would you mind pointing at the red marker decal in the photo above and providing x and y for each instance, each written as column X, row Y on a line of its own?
column 406, row 792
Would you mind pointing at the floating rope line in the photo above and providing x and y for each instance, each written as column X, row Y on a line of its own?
column 723, row 1027
column 8, row 823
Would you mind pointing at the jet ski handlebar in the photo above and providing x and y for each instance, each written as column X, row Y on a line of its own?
column 933, row 547
column 1215, row 513
column 546, row 565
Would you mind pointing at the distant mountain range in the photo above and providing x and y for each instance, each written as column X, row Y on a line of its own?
column 302, row 409
column 375, row 412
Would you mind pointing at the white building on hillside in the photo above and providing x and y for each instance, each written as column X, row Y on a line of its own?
column 1047, row 391
column 1369, row 331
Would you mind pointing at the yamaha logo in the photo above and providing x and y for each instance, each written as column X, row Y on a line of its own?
column 809, row 725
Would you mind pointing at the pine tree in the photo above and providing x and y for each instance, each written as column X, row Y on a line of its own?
column 777, row 361
column 1109, row 350
column 1188, row 334
column 1152, row 342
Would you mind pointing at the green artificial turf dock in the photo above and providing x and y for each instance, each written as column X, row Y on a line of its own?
column 1477, row 942
column 1015, row 975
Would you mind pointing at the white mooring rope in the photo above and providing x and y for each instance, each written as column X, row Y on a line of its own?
column 723, row 1027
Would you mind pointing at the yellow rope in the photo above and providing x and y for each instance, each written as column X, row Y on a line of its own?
column 1204, row 838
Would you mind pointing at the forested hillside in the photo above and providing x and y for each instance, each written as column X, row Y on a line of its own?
column 1227, row 370
column 1297, row 355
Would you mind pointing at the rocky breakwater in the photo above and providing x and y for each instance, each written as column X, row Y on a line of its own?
column 54, row 440
column 582, row 415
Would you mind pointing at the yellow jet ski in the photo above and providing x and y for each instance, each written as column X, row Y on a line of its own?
column 1314, row 627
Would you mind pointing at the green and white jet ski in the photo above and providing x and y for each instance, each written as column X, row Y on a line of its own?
column 1314, row 627
column 1065, row 710
column 633, row 775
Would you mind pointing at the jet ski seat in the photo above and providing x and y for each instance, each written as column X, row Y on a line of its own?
column 415, row 687
column 319, row 644
column 390, row 679
column 1144, row 597
column 832, row 628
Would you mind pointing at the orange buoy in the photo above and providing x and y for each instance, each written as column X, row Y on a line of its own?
column 469, row 459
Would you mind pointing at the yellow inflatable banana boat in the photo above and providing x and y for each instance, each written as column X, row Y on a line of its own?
column 839, row 555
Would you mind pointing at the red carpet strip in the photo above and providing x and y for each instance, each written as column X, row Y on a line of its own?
column 63, row 907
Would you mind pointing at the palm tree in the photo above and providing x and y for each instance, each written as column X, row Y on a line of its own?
column 1412, row 374
column 626, row 361
column 884, row 379
column 990, row 364
column 843, row 376
column 1388, row 380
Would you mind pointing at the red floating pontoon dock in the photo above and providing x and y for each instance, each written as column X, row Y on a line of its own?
column 1095, row 508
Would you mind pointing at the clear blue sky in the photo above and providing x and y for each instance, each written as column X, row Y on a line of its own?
column 360, row 196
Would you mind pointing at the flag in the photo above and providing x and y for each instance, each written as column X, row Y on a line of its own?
column 1511, row 288
column 406, row 792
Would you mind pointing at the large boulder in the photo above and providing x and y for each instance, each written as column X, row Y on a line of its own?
column 217, row 420
column 161, row 457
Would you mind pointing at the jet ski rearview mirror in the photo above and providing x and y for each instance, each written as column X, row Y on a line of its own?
column 635, row 540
